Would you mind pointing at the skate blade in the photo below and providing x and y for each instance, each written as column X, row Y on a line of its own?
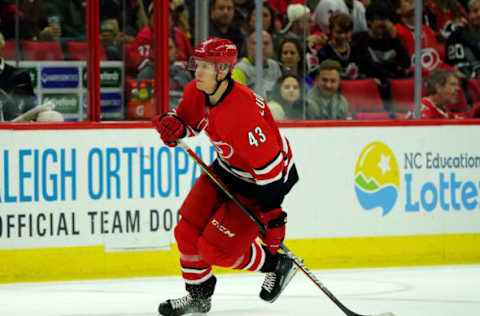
column 288, row 278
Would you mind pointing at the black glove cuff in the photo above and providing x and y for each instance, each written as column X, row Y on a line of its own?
column 280, row 221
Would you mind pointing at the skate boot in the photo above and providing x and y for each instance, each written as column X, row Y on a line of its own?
column 275, row 282
column 198, row 300
column 185, row 305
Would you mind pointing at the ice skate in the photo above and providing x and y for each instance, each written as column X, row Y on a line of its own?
column 185, row 305
column 198, row 300
column 275, row 282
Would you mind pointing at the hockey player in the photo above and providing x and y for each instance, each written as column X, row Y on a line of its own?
column 253, row 160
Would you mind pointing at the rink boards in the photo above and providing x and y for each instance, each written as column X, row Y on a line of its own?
column 102, row 202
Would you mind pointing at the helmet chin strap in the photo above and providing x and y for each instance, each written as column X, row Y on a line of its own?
column 219, row 82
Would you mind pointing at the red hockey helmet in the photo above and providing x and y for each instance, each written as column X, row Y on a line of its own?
column 217, row 50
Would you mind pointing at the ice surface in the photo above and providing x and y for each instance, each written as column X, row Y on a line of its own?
column 416, row 291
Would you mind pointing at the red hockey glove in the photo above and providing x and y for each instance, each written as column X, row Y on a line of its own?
column 274, row 221
column 170, row 127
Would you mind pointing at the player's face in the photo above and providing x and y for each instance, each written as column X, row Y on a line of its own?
column 449, row 91
column 290, row 89
column 328, row 82
column 205, row 74
column 474, row 16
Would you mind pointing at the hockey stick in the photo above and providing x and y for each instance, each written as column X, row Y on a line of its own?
column 295, row 259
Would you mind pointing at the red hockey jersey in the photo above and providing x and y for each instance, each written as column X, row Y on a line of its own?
column 430, row 111
column 142, row 48
column 433, row 53
column 253, row 159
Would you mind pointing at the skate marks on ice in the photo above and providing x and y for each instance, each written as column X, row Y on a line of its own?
column 440, row 291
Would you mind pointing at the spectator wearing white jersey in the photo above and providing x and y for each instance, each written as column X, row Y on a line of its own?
column 326, row 9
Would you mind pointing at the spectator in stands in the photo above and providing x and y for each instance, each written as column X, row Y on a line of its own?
column 244, row 71
column 242, row 9
column 326, row 9
column 291, row 61
column 338, row 47
column 442, row 89
column 325, row 102
column 280, row 6
column 462, row 50
column 71, row 17
column 131, row 16
column 380, row 54
column 16, row 89
column 221, row 23
column 179, row 77
column 179, row 17
column 34, row 15
column 286, row 101
column 142, row 49
column 432, row 51
column 445, row 16
column 269, row 17
column 141, row 52
column 109, row 37
column 182, row 40
column 300, row 28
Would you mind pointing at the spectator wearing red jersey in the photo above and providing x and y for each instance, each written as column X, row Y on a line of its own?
column 432, row 55
column 142, row 50
column 442, row 88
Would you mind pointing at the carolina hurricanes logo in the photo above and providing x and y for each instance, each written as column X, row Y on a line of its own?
column 430, row 58
column 223, row 149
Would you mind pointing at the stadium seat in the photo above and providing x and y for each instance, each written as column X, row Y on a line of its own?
column 79, row 51
column 372, row 115
column 34, row 50
column 403, row 94
column 9, row 52
column 474, row 88
column 362, row 95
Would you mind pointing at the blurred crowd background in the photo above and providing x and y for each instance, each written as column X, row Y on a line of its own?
column 322, row 59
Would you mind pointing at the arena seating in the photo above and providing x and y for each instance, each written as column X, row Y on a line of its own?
column 362, row 95
column 9, row 52
column 79, row 51
column 34, row 50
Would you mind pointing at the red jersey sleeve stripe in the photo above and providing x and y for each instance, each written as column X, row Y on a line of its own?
column 269, row 166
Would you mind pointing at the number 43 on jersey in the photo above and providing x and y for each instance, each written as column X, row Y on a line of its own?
column 256, row 136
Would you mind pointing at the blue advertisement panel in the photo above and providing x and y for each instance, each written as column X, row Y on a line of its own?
column 60, row 77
